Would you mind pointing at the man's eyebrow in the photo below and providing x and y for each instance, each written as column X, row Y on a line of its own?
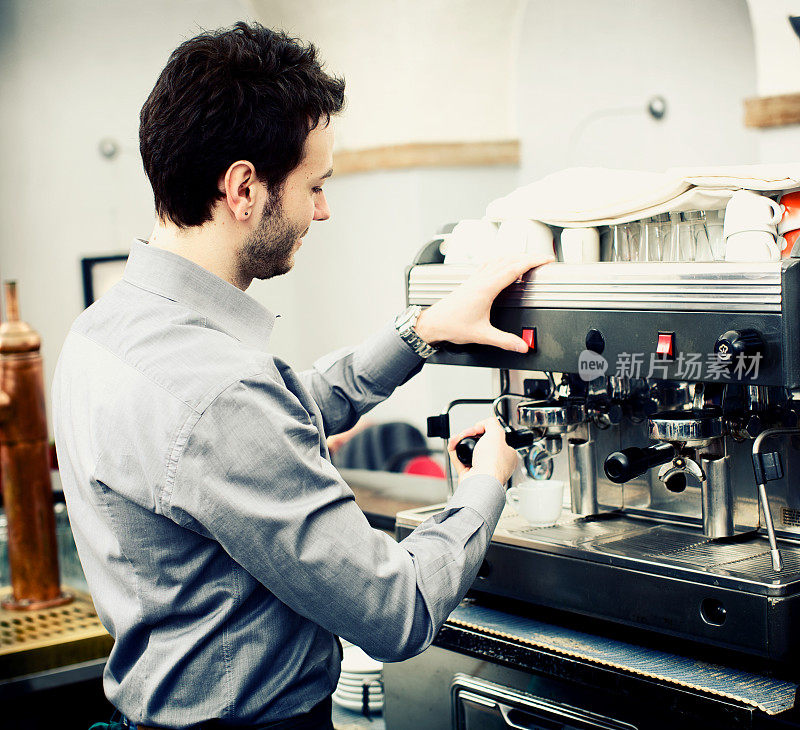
column 327, row 174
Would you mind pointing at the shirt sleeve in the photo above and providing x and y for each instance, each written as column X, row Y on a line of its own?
column 347, row 383
column 251, row 476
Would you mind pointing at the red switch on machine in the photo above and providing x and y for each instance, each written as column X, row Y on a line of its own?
column 665, row 349
column 529, row 335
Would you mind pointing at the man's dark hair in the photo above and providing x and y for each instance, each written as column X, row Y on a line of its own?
column 245, row 93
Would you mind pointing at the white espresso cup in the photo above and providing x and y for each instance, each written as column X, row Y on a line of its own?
column 580, row 245
column 471, row 242
column 538, row 501
column 749, row 211
column 524, row 236
column 751, row 246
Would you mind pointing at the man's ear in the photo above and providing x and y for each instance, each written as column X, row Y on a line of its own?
column 238, row 186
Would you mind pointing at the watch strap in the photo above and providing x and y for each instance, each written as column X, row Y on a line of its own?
column 405, row 328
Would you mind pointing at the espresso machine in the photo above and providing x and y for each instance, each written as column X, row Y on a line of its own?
column 669, row 396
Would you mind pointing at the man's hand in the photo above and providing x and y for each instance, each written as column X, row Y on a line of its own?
column 462, row 317
column 492, row 455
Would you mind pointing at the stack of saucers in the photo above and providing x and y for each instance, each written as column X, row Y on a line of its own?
column 360, row 687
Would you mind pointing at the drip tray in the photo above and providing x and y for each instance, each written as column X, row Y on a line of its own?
column 569, row 530
column 747, row 560
column 628, row 542
column 34, row 641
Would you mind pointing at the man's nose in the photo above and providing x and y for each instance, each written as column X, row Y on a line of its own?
column 321, row 210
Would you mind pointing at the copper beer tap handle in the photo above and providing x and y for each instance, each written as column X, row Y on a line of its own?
column 12, row 303
column 5, row 406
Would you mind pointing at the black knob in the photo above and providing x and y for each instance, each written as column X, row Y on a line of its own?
column 464, row 449
column 622, row 466
column 753, row 426
column 614, row 414
column 595, row 341
column 736, row 344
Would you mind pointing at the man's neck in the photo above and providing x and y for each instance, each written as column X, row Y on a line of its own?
column 210, row 246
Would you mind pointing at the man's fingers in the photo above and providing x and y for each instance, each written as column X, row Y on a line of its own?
column 510, row 269
column 477, row 430
column 504, row 340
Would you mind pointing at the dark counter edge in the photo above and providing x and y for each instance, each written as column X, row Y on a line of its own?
column 696, row 706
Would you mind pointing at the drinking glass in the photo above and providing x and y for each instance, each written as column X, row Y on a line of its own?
column 633, row 235
column 703, row 249
column 714, row 221
column 681, row 242
column 620, row 248
column 656, row 230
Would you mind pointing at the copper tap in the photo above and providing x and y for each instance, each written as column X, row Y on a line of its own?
column 27, row 494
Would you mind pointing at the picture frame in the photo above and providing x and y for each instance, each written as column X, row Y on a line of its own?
column 100, row 273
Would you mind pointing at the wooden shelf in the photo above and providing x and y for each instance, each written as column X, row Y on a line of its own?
column 772, row 111
column 428, row 154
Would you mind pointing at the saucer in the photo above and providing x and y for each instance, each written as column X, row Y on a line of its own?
column 357, row 706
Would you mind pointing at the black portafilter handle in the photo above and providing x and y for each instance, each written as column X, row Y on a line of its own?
column 521, row 439
column 622, row 466
column 464, row 449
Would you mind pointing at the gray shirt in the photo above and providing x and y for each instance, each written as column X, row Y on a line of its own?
column 222, row 549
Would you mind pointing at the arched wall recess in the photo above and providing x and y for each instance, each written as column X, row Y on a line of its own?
column 429, row 82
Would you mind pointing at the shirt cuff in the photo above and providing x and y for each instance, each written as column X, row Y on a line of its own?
column 482, row 493
column 387, row 357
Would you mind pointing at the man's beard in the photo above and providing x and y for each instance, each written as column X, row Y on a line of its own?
column 269, row 250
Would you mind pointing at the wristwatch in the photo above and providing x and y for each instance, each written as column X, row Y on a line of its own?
column 405, row 328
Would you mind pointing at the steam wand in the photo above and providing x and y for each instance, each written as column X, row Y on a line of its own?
column 767, row 467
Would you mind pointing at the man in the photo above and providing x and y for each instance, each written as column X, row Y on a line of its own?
column 223, row 550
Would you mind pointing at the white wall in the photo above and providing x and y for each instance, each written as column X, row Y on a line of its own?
column 417, row 70
column 587, row 68
column 75, row 71
column 71, row 73
column 777, row 52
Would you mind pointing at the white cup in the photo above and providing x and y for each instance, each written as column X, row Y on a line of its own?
column 751, row 246
column 524, row 236
column 749, row 211
column 538, row 501
column 472, row 241
column 580, row 245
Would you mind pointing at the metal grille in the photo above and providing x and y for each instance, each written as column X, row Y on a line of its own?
column 35, row 641
column 760, row 567
column 576, row 532
column 749, row 560
column 659, row 541
column 654, row 286
column 791, row 517
column 18, row 629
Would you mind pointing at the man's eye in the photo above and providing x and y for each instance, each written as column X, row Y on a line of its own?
column 316, row 190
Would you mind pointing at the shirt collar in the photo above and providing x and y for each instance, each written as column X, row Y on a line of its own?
column 174, row 277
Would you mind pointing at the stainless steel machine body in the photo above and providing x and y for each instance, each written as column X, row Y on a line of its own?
column 657, row 380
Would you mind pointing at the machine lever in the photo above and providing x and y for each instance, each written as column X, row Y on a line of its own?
column 622, row 466
column 439, row 426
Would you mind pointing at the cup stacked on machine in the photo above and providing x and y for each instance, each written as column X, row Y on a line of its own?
column 751, row 227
